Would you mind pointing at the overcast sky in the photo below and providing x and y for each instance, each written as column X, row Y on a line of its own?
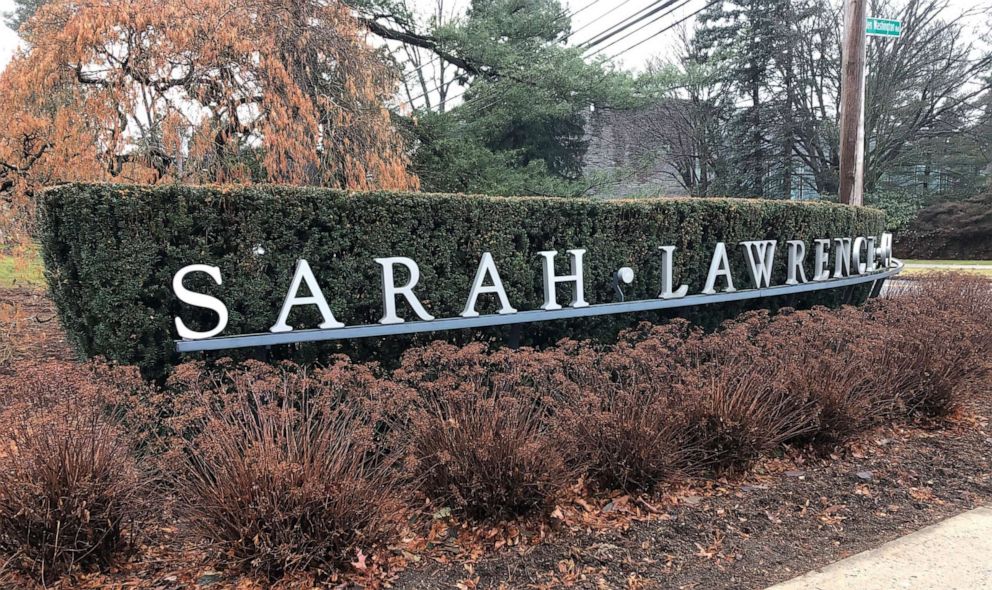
column 591, row 17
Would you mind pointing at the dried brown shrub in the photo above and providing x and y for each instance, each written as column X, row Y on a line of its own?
column 488, row 457
column 69, row 486
column 628, row 440
column 481, row 439
column 282, row 468
column 737, row 410
column 620, row 423
column 940, row 340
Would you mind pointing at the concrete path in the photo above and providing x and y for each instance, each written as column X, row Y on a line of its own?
column 953, row 555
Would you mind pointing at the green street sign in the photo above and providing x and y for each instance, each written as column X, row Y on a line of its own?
column 883, row 27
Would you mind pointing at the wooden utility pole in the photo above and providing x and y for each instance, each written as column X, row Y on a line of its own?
column 852, row 103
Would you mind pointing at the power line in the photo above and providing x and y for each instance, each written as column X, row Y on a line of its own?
column 669, row 27
column 494, row 100
column 630, row 21
column 592, row 22
column 641, row 28
column 563, row 14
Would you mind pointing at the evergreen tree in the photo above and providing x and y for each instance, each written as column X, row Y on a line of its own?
column 23, row 10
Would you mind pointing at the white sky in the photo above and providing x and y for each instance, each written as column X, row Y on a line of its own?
column 591, row 17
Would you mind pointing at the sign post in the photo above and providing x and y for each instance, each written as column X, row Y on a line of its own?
column 852, row 110
column 852, row 103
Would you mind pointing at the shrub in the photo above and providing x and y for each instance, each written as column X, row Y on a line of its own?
column 69, row 486
column 287, row 485
column 111, row 252
column 487, row 457
column 943, row 340
column 950, row 230
column 737, row 410
column 627, row 440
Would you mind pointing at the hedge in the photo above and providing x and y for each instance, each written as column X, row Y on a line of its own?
column 111, row 251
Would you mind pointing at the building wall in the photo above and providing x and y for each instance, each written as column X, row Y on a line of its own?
column 626, row 146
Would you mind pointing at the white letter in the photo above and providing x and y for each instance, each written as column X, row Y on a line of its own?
column 858, row 266
column 551, row 280
column 487, row 266
column 820, row 271
column 303, row 273
column 885, row 250
column 667, row 254
column 871, row 265
column 797, row 255
column 390, row 290
column 719, row 266
column 842, row 257
column 199, row 300
column 761, row 269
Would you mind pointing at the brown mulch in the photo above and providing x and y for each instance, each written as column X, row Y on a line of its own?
column 39, row 334
column 786, row 516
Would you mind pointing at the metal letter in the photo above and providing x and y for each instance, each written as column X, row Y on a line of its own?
column 667, row 255
column 885, row 250
column 719, row 266
column 390, row 290
column 761, row 268
column 820, row 270
column 871, row 263
column 487, row 266
column 303, row 273
column 199, row 300
column 551, row 280
column 842, row 257
column 859, row 267
column 797, row 255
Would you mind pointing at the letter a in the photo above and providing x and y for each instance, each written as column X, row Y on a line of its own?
column 719, row 267
column 303, row 273
column 487, row 267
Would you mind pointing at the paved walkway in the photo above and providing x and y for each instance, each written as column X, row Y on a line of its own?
column 953, row 555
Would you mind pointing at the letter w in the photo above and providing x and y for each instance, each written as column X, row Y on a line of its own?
column 760, row 259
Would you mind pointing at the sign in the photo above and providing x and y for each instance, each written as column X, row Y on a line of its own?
column 836, row 262
column 883, row 27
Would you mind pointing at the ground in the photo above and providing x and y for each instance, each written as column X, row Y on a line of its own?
column 789, row 516
column 786, row 516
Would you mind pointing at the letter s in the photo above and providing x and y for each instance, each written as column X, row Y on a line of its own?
column 199, row 300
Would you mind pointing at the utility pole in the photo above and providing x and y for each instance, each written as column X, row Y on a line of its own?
column 852, row 104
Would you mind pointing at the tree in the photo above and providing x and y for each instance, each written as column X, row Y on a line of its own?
column 214, row 91
column 520, row 124
column 745, row 35
column 689, row 122
column 925, row 85
column 23, row 10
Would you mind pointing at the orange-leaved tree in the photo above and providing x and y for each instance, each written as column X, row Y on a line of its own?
column 199, row 91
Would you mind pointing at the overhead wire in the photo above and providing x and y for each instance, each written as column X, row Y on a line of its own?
column 495, row 99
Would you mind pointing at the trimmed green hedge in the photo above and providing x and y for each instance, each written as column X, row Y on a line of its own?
column 111, row 251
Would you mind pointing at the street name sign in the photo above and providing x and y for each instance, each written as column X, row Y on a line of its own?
column 883, row 27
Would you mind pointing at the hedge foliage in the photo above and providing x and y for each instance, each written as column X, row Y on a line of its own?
column 111, row 252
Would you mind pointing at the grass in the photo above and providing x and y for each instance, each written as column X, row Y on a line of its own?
column 21, row 270
column 955, row 262
column 986, row 272
column 908, row 271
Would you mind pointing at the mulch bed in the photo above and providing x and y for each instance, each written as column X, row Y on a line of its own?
column 784, row 517
column 39, row 331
